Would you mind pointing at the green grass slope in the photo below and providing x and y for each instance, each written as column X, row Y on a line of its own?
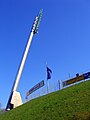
column 72, row 103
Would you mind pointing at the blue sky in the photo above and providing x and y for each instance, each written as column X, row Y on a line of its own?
column 63, row 41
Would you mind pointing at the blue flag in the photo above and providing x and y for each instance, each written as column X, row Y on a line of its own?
column 49, row 72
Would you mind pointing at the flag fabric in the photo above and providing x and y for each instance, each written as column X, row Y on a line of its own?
column 86, row 75
column 49, row 72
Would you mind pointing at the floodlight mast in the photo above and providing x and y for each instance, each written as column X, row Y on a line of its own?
column 34, row 30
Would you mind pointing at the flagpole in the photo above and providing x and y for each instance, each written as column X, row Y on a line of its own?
column 47, row 79
column 48, row 76
column 47, row 86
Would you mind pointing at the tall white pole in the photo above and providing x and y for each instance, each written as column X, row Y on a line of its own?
column 33, row 31
column 22, row 63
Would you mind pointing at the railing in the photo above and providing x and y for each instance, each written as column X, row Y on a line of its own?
column 58, row 85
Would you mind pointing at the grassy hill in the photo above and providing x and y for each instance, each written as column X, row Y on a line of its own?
column 72, row 103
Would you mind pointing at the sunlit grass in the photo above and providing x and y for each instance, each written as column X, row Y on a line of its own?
column 72, row 103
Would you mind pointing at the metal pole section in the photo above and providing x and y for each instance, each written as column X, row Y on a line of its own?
column 22, row 63
column 61, row 85
column 34, row 30
column 47, row 80
column 15, row 85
